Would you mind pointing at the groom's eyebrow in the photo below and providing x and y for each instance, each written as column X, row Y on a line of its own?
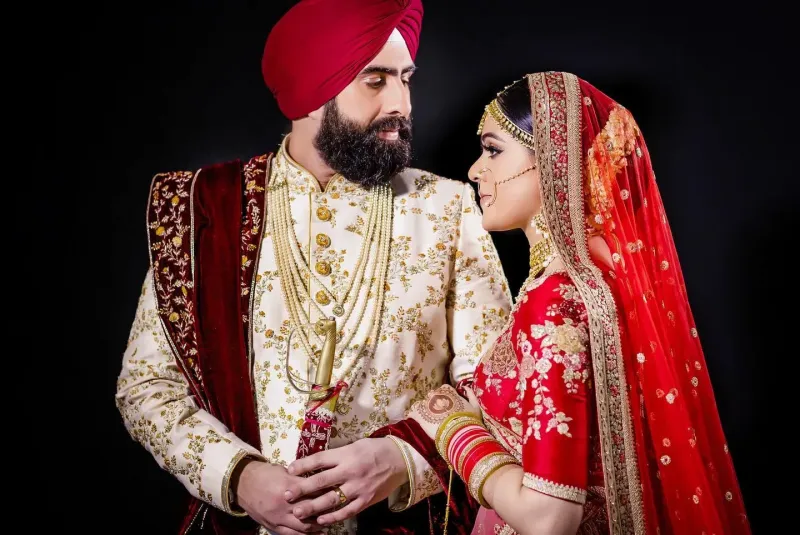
column 378, row 69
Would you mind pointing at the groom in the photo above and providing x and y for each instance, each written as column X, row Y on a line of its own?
column 332, row 225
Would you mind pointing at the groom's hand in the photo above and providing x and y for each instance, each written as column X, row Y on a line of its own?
column 366, row 472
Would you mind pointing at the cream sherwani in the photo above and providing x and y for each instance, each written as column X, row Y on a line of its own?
column 446, row 299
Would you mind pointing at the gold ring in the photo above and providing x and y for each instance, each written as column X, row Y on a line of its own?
column 342, row 497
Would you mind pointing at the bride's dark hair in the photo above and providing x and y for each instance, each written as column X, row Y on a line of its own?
column 516, row 104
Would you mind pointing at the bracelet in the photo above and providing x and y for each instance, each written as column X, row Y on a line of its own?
column 453, row 423
column 449, row 420
column 471, row 450
column 461, row 460
column 483, row 470
column 452, row 428
column 462, row 439
column 476, row 455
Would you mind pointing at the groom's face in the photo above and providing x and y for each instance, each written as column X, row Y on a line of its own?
column 365, row 132
column 380, row 90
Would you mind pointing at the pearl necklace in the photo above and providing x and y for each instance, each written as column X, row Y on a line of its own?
column 294, row 271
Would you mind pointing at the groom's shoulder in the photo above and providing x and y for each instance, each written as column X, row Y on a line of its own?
column 413, row 180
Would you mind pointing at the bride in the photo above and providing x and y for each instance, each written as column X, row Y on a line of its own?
column 593, row 412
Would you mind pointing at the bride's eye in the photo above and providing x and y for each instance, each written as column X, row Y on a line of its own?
column 493, row 151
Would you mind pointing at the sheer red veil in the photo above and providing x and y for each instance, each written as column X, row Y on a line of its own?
column 666, row 464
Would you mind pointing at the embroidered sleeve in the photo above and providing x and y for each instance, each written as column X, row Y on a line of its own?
column 422, row 480
column 159, row 412
column 551, row 340
column 478, row 299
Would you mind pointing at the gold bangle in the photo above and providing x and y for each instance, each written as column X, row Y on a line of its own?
column 455, row 421
column 453, row 426
column 450, row 418
column 485, row 468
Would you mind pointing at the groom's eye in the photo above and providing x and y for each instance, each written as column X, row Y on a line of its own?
column 375, row 82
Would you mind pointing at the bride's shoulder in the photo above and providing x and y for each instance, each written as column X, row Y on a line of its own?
column 546, row 293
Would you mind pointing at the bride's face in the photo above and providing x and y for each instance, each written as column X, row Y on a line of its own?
column 512, row 204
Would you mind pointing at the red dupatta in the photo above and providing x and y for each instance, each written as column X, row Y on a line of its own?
column 666, row 464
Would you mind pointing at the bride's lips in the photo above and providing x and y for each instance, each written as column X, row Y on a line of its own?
column 485, row 197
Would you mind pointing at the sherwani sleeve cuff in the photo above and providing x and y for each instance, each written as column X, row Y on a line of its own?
column 221, row 462
column 422, row 480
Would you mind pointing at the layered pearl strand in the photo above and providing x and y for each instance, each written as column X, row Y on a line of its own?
column 371, row 267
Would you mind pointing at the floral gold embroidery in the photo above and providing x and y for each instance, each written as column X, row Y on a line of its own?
column 502, row 359
column 445, row 301
column 565, row 345
column 605, row 158
column 169, row 221
column 557, row 490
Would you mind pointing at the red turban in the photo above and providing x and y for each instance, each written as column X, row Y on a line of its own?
column 319, row 47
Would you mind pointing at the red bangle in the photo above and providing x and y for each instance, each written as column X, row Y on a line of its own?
column 474, row 456
column 461, row 438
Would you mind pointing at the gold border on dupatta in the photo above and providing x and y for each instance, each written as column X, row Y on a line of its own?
column 556, row 106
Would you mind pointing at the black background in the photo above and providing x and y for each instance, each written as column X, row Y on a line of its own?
column 151, row 89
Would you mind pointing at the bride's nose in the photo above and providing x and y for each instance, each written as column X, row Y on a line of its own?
column 476, row 171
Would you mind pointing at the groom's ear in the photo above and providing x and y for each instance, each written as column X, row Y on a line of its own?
column 317, row 114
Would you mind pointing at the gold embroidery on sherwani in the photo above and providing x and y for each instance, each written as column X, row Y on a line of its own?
column 445, row 298
column 444, row 288
column 159, row 412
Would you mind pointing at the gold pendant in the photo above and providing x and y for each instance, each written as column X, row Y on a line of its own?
column 338, row 310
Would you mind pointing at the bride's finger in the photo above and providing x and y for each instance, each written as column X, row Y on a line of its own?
column 473, row 399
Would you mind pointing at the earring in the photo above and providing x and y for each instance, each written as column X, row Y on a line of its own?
column 540, row 225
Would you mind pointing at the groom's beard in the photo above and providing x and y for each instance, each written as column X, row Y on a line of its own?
column 357, row 152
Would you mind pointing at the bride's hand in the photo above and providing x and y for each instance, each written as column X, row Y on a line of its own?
column 438, row 405
column 475, row 405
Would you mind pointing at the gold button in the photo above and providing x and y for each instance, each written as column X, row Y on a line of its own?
column 323, row 240
column 322, row 298
column 323, row 213
column 323, row 268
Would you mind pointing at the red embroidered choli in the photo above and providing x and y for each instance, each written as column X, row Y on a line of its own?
column 535, row 389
